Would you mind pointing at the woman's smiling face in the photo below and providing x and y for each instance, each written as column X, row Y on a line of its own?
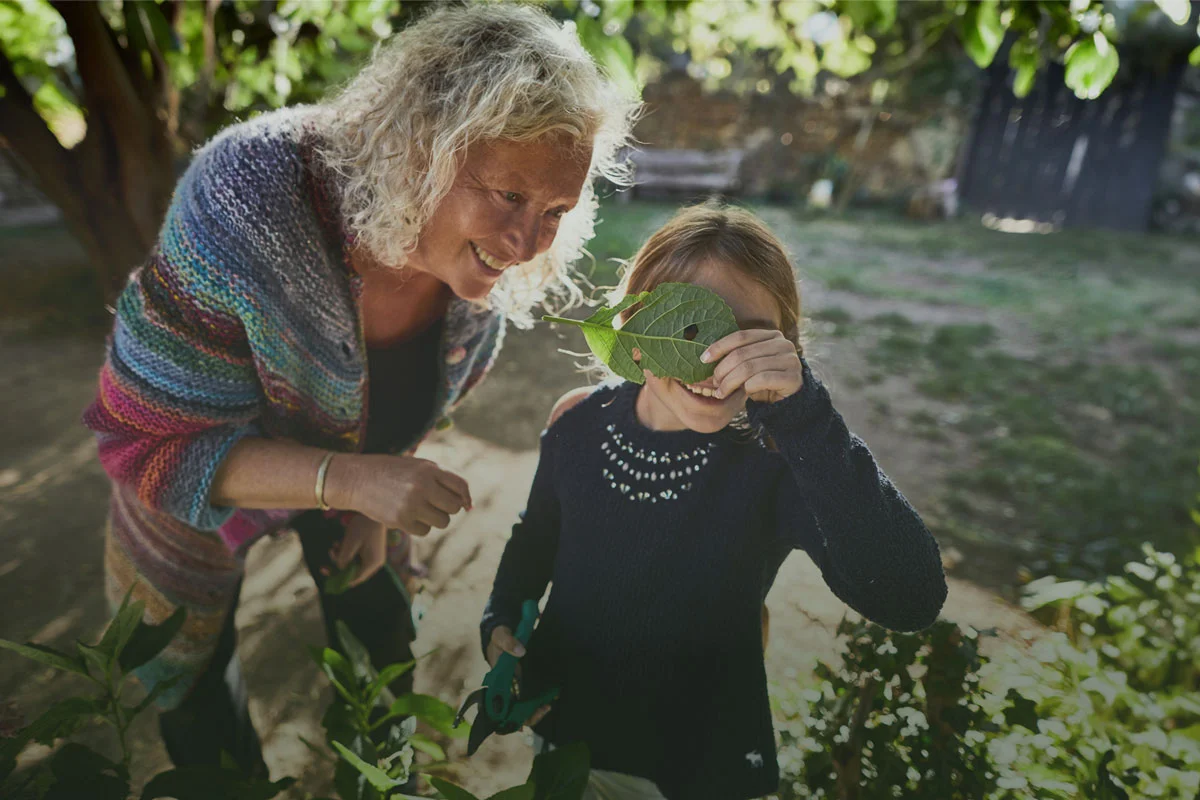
column 504, row 209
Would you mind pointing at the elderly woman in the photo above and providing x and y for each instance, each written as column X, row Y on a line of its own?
column 329, row 284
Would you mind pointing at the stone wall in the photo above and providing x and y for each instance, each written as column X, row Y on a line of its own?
column 880, row 151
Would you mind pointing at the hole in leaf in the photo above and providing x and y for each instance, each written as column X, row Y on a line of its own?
column 691, row 332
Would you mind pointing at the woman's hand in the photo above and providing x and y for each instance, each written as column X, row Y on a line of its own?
column 364, row 539
column 408, row 494
column 503, row 641
column 762, row 362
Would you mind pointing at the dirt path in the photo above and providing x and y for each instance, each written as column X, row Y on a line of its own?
column 52, row 501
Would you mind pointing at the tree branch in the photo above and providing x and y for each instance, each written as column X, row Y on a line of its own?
column 108, row 87
column 30, row 137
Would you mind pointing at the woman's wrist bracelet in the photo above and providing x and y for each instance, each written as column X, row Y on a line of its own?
column 319, row 489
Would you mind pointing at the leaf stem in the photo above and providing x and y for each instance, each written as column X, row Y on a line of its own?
column 577, row 322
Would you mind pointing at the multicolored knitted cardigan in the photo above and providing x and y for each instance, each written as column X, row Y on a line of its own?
column 243, row 322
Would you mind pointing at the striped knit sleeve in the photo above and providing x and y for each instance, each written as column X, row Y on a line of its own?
column 178, row 387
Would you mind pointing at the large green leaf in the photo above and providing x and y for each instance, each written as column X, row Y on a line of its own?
column 374, row 775
column 120, row 629
column 1091, row 66
column 389, row 674
column 339, row 581
column 1178, row 10
column 81, row 772
column 357, row 653
column 147, row 641
column 46, row 655
column 206, row 783
column 60, row 720
column 1025, row 57
column 982, row 32
column 427, row 746
column 526, row 791
column 613, row 53
column 340, row 673
column 672, row 326
column 451, row 791
column 562, row 773
column 430, row 710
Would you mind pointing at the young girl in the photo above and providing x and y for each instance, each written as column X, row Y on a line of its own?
column 661, row 514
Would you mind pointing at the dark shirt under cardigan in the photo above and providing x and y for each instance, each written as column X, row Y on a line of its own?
column 661, row 546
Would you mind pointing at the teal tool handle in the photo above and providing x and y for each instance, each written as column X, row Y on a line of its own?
column 529, row 615
column 498, row 699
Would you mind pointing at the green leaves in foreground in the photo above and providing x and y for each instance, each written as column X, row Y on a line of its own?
column 671, row 327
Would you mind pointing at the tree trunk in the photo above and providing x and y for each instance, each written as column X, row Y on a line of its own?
column 114, row 186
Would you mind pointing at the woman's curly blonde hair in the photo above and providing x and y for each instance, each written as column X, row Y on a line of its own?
column 398, row 131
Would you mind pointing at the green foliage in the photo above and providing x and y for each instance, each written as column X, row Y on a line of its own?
column 1104, row 707
column 76, row 771
column 671, row 327
column 1091, row 66
column 982, row 32
column 205, row 783
column 1143, row 622
column 1115, row 685
column 898, row 717
column 247, row 57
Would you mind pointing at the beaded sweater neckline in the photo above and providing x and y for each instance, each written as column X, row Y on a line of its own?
column 646, row 465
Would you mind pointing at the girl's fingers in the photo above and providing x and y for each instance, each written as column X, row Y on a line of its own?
column 772, row 382
column 762, row 349
column 538, row 715
column 504, row 639
column 748, row 369
column 724, row 346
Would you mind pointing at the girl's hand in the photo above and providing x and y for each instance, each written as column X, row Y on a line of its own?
column 503, row 641
column 408, row 494
column 364, row 539
column 762, row 362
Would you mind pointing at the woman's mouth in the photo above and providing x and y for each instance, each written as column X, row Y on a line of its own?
column 489, row 264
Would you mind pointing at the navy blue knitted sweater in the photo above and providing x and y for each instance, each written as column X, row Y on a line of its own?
column 661, row 547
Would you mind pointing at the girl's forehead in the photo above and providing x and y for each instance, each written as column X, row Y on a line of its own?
column 752, row 304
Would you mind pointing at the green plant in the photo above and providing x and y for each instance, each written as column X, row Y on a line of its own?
column 373, row 733
column 374, row 737
column 78, row 771
column 1145, row 622
column 1114, row 688
column 900, row 716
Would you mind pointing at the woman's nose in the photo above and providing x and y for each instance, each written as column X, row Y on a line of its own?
column 525, row 237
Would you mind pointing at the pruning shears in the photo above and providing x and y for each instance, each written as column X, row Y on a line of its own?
column 501, row 708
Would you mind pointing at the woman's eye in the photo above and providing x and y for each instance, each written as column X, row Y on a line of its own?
column 511, row 197
column 558, row 213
